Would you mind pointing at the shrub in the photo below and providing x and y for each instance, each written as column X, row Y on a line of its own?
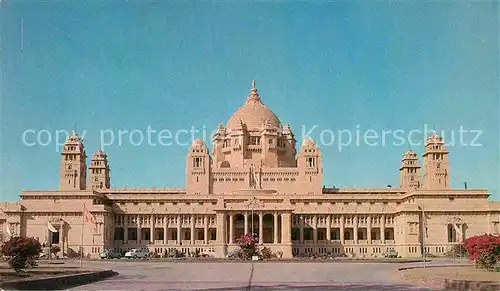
column 248, row 245
column 20, row 251
column 484, row 250
column 55, row 249
column 266, row 253
column 458, row 250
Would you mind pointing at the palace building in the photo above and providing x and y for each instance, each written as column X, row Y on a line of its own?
column 255, row 180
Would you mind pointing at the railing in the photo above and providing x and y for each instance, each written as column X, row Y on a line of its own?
column 199, row 242
column 389, row 241
column 185, row 242
column 172, row 242
column 308, row 242
column 376, row 241
column 158, row 242
column 363, row 241
column 349, row 241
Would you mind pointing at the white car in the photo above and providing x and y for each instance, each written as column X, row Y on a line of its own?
column 137, row 254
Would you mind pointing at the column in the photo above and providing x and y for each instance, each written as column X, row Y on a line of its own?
column 301, row 229
column 275, row 228
column 286, row 234
column 369, row 230
column 152, row 230
column 231, row 228
column 315, row 229
column 342, row 226
column 221, row 228
column 261, row 228
column 205, row 229
column 246, row 231
column 355, row 229
column 328, row 228
column 165, row 229
column 192, row 229
column 125, row 229
column 382, row 229
column 179, row 224
column 139, row 229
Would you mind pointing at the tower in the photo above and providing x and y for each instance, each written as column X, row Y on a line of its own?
column 99, row 171
column 73, row 170
column 198, row 166
column 409, row 171
column 310, row 167
column 435, row 164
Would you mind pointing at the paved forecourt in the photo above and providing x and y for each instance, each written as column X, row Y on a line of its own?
column 164, row 275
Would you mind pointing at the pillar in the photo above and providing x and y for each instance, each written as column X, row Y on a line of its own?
column 382, row 229
column 286, row 235
column 139, row 229
column 231, row 228
column 221, row 233
column 205, row 229
column 328, row 228
column 246, row 231
column 369, row 230
column 261, row 228
column 192, row 229
column 355, row 229
column 342, row 229
column 125, row 229
column 179, row 225
column 221, row 228
column 301, row 229
column 275, row 228
column 152, row 230
column 315, row 229
column 165, row 229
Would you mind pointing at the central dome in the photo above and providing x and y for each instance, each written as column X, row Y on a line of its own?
column 253, row 114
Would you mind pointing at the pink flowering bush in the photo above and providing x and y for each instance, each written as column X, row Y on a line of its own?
column 21, row 251
column 484, row 249
column 248, row 245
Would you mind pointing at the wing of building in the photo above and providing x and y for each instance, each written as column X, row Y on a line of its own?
column 254, row 181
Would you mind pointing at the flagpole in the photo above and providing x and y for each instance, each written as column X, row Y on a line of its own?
column 81, row 242
column 424, row 220
column 50, row 244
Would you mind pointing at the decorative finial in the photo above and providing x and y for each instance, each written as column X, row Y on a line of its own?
column 254, row 84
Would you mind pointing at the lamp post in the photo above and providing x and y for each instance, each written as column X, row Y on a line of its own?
column 252, row 203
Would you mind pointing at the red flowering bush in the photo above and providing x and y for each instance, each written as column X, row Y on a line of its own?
column 248, row 245
column 484, row 249
column 20, row 251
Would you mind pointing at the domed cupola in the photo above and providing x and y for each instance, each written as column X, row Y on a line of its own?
column 253, row 114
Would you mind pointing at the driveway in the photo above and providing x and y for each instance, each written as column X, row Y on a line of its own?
column 164, row 275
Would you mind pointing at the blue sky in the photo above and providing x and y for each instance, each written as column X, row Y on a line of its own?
column 129, row 65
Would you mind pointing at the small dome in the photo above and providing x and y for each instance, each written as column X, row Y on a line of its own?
column 254, row 114
column 434, row 138
column 308, row 142
column 197, row 142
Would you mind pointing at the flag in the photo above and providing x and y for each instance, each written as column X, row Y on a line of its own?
column 51, row 227
column 7, row 228
column 87, row 216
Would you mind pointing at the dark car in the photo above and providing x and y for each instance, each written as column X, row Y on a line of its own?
column 110, row 254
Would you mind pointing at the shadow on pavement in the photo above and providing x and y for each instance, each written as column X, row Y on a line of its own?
column 334, row 286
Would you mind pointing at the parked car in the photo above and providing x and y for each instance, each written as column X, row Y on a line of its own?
column 209, row 252
column 391, row 254
column 142, row 253
column 110, row 254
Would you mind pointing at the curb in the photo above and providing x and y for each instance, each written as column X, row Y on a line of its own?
column 433, row 266
column 59, row 282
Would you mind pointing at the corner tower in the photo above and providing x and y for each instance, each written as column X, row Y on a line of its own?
column 310, row 167
column 436, row 165
column 198, row 169
column 73, row 170
column 409, row 171
column 99, row 171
